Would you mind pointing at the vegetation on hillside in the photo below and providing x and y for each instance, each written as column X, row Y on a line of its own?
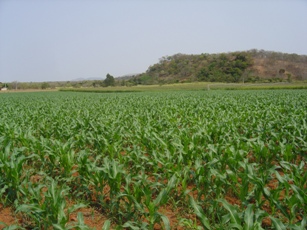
column 248, row 66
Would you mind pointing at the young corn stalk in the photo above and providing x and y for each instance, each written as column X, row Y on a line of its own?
column 12, row 175
column 49, row 209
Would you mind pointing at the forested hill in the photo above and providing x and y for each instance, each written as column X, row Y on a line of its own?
column 247, row 66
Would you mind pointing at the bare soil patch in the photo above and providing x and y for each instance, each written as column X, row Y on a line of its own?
column 7, row 216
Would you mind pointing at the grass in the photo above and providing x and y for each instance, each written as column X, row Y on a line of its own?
column 192, row 86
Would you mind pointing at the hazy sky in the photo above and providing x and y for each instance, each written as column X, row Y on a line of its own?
column 54, row 40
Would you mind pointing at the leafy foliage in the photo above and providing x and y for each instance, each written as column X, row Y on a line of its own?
column 248, row 66
column 109, row 81
column 214, row 159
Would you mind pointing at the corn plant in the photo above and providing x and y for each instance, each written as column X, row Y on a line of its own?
column 12, row 174
column 240, row 155
column 49, row 209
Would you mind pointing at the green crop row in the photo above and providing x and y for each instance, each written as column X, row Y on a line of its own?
column 148, row 160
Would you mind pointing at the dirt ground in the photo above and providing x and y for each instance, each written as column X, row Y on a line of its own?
column 91, row 217
column 7, row 216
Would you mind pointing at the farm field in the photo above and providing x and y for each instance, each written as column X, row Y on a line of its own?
column 193, row 86
column 154, row 160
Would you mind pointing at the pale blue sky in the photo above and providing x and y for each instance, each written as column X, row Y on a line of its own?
column 58, row 40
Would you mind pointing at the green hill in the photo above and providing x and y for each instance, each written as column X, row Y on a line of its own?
column 247, row 66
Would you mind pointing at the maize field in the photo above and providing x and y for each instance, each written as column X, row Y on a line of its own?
column 154, row 160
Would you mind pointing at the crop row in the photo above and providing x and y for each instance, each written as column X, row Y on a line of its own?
column 213, row 160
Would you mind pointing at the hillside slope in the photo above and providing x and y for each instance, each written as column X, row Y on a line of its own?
column 247, row 66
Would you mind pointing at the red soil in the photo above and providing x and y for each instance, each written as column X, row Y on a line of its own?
column 7, row 216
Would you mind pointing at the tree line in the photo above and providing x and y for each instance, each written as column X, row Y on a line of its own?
column 108, row 81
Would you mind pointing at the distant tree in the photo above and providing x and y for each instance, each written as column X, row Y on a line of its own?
column 45, row 85
column 97, row 83
column 289, row 79
column 203, row 74
column 281, row 73
column 109, row 81
column 15, row 84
